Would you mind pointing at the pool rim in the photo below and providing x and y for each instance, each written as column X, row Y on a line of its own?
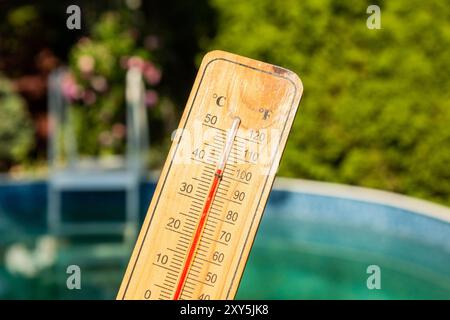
column 363, row 194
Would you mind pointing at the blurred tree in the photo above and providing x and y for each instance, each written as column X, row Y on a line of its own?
column 34, row 40
column 16, row 131
column 97, row 86
column 31, row 44
column 376, row 108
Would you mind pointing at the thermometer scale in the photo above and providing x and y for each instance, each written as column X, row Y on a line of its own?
column 213, row 188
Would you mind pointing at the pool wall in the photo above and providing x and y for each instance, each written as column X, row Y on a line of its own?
column 315, row 241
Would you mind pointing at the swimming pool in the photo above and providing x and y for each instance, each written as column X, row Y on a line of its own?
column 315, row 241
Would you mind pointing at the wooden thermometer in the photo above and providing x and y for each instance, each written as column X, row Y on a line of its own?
column 213, row 188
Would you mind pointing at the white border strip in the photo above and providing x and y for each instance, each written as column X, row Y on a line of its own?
column 422, row 207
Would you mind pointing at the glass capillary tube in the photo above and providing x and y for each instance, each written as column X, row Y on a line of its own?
column 228, row 144
column 208, row 202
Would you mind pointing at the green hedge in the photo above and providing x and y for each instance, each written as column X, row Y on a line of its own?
column 376, row 107
column 16, row 128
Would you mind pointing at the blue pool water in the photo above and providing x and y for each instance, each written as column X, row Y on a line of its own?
column 309, row 246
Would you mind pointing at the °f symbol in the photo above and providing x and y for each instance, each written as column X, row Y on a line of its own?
column 266, row 113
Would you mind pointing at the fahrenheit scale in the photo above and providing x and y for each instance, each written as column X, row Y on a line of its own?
column 213, row 188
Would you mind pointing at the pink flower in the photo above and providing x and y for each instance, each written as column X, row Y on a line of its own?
column 151, row 73
column 70, row 89
column 136, row 62
column 86, row 63
column 84, row 40
column 151, row 98
column 119, row 130
column 99, row 83
column 89, row 97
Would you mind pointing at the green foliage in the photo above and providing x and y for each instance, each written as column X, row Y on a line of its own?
column 16, row 129
column 376, row 107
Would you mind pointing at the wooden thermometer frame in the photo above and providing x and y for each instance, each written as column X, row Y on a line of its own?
column 209, row 200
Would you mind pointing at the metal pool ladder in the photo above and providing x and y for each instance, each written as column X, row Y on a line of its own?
column 75, row 177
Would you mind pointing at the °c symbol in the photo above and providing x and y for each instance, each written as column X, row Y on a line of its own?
column 220, row 100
